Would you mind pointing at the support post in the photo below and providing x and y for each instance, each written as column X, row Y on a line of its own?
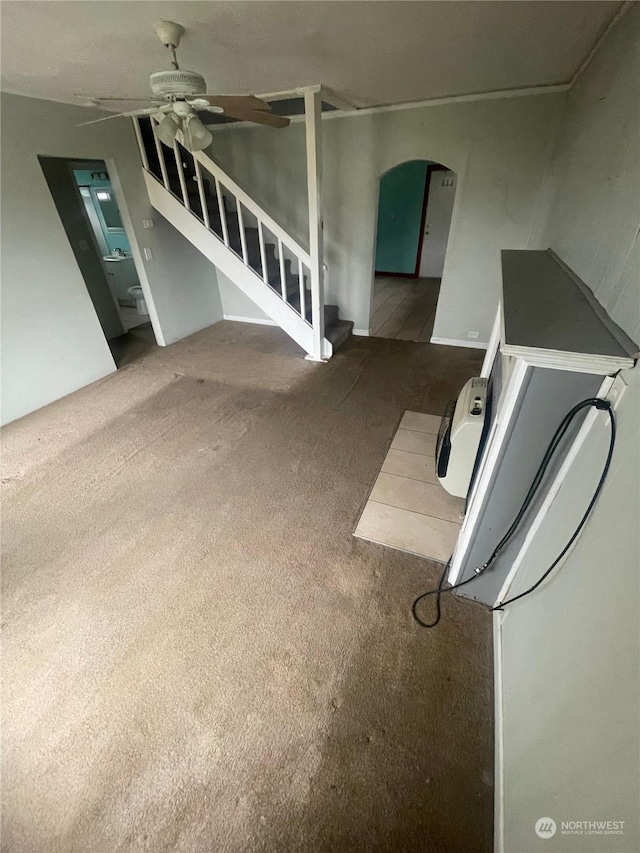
column 313, row 128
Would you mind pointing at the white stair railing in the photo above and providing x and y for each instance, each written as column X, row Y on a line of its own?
column 226, row 213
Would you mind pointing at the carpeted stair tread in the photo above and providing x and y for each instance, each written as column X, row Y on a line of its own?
column 338, row 333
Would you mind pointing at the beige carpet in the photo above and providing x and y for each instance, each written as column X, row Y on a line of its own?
column 198, row 654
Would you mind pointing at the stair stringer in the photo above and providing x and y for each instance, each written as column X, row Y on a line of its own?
column 226, row 260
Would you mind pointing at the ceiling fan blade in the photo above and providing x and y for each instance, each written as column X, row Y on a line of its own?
column 125, row 100
column 249, row 102
column 257, row 116
column 145, row 112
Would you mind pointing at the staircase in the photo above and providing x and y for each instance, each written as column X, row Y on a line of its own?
column 218, row 217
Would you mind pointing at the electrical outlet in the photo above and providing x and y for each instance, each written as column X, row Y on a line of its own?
column 147, row 223
column 147, row 254
column 473, row 335
column 617, row 390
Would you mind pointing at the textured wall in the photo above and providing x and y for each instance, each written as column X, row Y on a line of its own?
column 52, row 343
column 498, row 148
column 571, row 650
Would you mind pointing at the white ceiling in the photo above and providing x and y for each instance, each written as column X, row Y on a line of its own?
column 370, row 52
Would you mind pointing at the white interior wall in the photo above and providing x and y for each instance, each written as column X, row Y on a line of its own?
column 235, row 305
column 498, row 148
column 52, row 343
column 569, row 652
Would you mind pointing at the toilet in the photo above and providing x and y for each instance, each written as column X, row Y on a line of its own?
column 137, row 294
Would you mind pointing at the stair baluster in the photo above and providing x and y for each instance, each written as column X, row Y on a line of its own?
column 302, row 289
column 163, row 167
column 263, row 257
column 223, row 213
column 183, row 183
column 243, row 234
column 283, row 274
column 201, row 193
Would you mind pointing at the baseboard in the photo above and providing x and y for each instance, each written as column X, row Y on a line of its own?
column 498, row 781
column 361, row 333
column 261, row 322
column 450, row 342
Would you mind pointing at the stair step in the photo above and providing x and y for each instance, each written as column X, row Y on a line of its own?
column 233, row 226
column 293, row 285
column 338, row 333
column 255, row 262
column 331, row 312
column 252, row 240
column 253, row 251
column 330, row 315
column 336, row 330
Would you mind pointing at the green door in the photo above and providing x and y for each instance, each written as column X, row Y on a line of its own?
column 400, row 217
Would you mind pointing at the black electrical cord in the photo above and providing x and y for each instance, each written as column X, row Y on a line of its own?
column 583, row 520
column 437, row 592
column 559, row 434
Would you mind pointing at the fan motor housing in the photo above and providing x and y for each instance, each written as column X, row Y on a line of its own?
column 177, row 82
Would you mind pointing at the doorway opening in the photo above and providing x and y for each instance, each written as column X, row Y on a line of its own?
column 88, row 209
column 415, row 205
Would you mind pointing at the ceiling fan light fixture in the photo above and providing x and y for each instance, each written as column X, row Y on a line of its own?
column 166, row 130
column 177, row 92
column 169, row 33
column 196, row 135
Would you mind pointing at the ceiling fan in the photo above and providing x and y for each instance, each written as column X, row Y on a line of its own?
column 178, row 94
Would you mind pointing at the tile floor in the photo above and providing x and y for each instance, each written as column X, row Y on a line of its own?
column 131, row 318
column 138, row 342
column 408, row 508
column 404, row 308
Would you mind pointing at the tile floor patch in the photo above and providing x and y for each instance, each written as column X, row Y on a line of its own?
column 420, row 423
column 414, row 466
column 426, row 498
column 414, row 442
column 408, row 508
column 408, row 531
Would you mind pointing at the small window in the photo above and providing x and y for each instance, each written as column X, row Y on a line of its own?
column 109, row 210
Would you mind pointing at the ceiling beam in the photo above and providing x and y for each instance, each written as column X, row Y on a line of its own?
column 411, row 105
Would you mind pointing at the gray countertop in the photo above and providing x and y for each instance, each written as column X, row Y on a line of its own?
column 550, row 313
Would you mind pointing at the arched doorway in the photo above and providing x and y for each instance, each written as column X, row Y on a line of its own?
column 415, row 205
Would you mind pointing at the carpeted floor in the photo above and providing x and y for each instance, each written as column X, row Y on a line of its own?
column 198, row 654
